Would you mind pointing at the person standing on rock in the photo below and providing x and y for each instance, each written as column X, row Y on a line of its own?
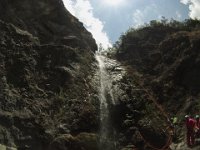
column 190, row 125
column 197, row 126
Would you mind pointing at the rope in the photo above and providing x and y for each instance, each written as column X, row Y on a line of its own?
column 153, row 99
column 169, row 141
column 164, row 147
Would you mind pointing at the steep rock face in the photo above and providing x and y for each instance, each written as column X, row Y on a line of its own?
column 48, row 20
column 139, row 47
column 46, row 71
column 178, row 69
column 168, row 66
column 178, row 85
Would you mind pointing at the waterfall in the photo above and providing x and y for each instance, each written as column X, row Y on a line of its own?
column 106, row 98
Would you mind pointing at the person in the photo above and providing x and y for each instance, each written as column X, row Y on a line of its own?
column 175, row 120
column 197, row 125
column 174, row 123
column 190, row 126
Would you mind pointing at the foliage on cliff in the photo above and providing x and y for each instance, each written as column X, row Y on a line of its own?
column 140, row 47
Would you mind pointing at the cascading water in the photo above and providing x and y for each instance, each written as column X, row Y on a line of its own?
column 106, row 99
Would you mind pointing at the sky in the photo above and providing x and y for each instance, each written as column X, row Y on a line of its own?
column 108, row 19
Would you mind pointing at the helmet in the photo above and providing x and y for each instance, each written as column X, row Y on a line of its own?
column 197, row 116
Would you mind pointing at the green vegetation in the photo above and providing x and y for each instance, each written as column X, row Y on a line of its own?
column 163, row 53
column 148, row 37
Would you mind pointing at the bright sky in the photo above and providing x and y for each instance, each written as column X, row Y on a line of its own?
column 108, row 19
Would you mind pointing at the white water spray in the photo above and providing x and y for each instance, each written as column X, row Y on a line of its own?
column 106, row 98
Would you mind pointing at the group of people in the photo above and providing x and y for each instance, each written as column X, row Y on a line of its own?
column 193, row 129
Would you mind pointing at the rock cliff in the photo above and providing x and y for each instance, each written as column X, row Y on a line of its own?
column 46, row 69
column 47, row 20
column 164, row 57
column 49, row 81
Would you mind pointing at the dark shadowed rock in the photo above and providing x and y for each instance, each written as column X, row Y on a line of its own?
column 83, row 141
